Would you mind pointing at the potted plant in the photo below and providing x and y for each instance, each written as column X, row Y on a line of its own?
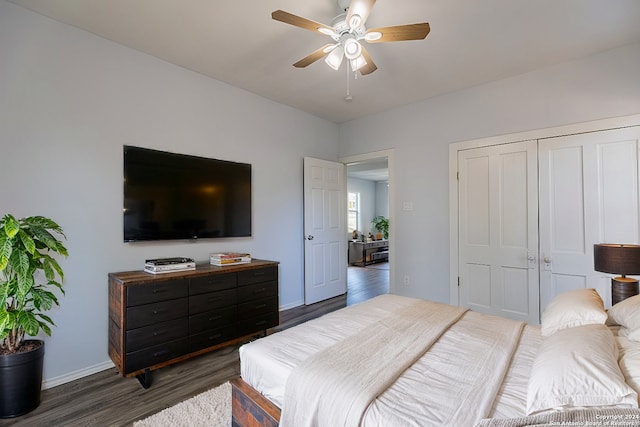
column 28, row 279
column 381, row 224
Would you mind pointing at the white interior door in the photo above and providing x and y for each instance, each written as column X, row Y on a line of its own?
column 588, row 195
column 498, row 230
column 325, row 259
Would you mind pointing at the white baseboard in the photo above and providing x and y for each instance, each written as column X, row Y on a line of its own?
column 76, row 375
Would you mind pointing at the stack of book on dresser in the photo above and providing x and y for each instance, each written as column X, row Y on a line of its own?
column 230, row 258
column 168, row 265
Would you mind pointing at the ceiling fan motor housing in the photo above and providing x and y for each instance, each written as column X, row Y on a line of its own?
column 341, row 28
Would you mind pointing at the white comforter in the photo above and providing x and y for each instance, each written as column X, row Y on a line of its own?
column 477, row 368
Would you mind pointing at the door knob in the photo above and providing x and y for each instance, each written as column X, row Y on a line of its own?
column 309, row 237
column 547, row 260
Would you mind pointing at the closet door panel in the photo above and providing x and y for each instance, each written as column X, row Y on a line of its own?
column 498, row 230
column 618, row 185
column 588, row 195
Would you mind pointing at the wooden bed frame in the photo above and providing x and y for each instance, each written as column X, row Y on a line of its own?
column 250, row 408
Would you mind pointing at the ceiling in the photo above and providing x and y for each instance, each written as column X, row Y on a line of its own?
column 370, row 170
column 471, row 42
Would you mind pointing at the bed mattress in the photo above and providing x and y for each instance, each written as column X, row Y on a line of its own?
column 423, row 392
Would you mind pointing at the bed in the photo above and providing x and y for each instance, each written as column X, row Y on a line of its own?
column 401, row 361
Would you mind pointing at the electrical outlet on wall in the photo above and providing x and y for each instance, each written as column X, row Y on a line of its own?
column 406, row 280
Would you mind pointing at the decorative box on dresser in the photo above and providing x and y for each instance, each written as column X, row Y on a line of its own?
column 158, row 320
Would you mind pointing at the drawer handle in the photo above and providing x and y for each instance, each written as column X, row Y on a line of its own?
column 158, row 333
column 216, row 336
column 257, row 291
column 260, row 306
column 212, row 299
column 258, row 273
column 160, row 353
column 158, row 311
column 262, row 322
column 159, row 291
column 215, row 318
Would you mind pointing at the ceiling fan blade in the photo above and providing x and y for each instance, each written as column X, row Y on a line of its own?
column 313, row 57
column 360, row 8
column 399, row 33
column 370, row 66
column 298, row 21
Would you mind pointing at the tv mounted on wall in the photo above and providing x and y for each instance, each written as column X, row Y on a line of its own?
column 170, row 196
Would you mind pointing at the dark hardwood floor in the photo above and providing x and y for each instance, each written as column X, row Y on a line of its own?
column 107, row 399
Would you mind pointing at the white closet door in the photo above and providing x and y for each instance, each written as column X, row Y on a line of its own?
column 498, row 230
column 588, row 194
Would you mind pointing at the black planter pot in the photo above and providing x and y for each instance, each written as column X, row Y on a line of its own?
column 21, row 381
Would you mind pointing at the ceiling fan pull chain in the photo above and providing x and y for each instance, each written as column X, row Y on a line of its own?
column 348, row 97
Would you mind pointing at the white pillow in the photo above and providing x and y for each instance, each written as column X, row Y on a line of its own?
column 629, row 361
column 626, row 313
column 573, row 308
column 578, row 367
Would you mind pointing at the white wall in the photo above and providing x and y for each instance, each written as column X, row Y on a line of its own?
column 382, row 198
column 69, row 101
column 367, row 202
column 602, row 86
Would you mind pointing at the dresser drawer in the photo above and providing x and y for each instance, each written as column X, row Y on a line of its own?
column 257, row 291
column 258, row 307
column 212, row 319
column 150, row 356
column 215, row 282
column 211, row 337
column 258, row 324
column 248, row 277
column 374, row 245
column 155, row 292
column 206, row 302
column 149, row 336
column 149, row 314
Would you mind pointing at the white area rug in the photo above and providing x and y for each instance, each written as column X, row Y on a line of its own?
column 211, row 409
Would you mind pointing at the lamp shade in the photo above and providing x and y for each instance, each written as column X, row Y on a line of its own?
column 617, row 258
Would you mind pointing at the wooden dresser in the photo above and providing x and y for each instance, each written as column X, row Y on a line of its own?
column 157, row 320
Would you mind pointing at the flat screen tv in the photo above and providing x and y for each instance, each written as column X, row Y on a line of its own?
column 170, row 196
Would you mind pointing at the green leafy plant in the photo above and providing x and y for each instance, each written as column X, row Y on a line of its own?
column 25, row 247
column 381, row 224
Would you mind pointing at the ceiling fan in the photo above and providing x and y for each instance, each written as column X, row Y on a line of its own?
column 347, row 31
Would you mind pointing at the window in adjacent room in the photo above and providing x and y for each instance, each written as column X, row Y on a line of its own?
column 353, row 209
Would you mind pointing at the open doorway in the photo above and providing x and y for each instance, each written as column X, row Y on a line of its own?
column 370, row 254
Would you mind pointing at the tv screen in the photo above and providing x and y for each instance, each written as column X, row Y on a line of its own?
column 170, row 196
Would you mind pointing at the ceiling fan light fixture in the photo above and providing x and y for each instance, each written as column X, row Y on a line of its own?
column 352, row 48
column 355, row 21
column 358, row 63
column 373, row 36
column 334, row 59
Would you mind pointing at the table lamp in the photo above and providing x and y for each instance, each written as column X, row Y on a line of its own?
column 619, row 259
